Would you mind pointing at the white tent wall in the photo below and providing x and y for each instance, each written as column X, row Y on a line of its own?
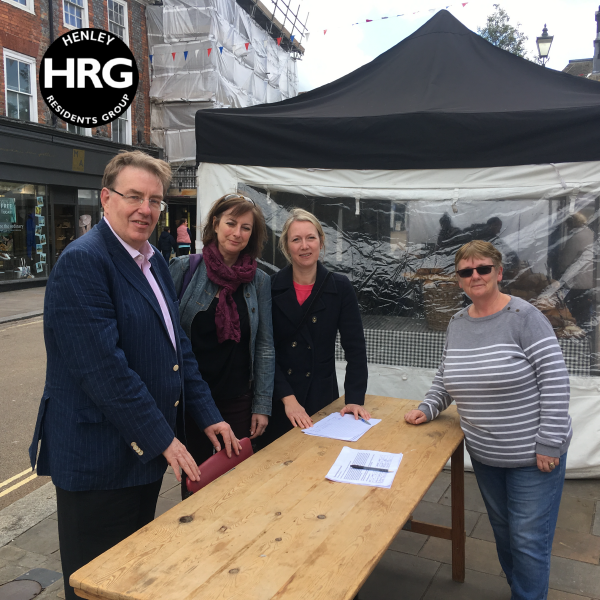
column 531, row 202
column 244, row 67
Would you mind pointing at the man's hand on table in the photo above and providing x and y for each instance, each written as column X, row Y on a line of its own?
column 357, row 410
column 179, row 458
column 224, row 430
column 415, row 417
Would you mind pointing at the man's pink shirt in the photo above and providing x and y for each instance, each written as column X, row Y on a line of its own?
column 142, row 258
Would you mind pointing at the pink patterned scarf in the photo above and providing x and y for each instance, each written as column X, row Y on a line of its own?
column 228, row 279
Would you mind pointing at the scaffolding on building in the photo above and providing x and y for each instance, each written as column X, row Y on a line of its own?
column 217, row 54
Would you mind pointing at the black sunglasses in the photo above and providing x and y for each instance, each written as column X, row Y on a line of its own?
column 482, row 270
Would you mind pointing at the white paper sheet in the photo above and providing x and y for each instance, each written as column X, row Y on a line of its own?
column 342, row 472
column 338, row 427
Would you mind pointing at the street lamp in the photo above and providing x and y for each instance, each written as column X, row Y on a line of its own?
column 543, row 43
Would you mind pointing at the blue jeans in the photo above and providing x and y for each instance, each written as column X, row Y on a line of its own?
column 522, row 505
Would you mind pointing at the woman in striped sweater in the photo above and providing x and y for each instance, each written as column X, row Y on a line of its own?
column 504, row 368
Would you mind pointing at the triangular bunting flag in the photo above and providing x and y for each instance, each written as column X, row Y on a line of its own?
column 464, row 4
column 382, row 18
column 279, row 41
column 185, row 55
column 247, row 44
column 221, row 49
column 369, row 20
column 196, row 52
column 209, row 51
column 292, row 38
column 173, row 55
column 265, row 43
column 324, row 31
column 151, row 58
column 307, row 36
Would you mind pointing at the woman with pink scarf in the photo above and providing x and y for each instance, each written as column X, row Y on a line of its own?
column 226, row 312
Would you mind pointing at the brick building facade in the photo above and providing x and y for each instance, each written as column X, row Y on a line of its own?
column 51, row 171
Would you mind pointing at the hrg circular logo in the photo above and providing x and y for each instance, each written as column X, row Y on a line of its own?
column 88, row 77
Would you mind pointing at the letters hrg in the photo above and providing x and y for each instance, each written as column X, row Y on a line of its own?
column 83, row 68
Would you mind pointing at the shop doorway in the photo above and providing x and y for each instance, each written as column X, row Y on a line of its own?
column 181, row 212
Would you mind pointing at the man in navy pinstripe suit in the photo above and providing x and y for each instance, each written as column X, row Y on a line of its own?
column 120, row 372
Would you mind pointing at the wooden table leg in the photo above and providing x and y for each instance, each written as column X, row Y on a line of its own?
column 457, row 466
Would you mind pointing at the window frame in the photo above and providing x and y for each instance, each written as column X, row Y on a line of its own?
column 85, row 22
column 128, row 130
column 31, row 61
column 28, row 7
column 87, row 131
column 126, row 16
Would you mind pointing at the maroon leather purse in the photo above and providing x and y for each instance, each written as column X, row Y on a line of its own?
column 218, row 464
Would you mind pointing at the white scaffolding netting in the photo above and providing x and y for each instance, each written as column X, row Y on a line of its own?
column 209, row 54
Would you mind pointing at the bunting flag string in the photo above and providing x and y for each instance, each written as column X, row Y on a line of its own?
column 463, row 4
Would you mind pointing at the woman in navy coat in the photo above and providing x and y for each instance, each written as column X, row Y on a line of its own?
column 310, row 305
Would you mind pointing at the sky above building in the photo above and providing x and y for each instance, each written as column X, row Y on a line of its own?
column 345, row 47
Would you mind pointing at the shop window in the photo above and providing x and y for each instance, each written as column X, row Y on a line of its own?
column 75, row 13
column 26, row 5
column 23, row 231
column 121, row 128
column 117, row 19
column 20, row 86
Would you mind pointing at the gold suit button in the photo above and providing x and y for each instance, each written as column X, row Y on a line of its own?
column 289, row 371
column 140, row 452
column 133, row 445
column 177, row 403
column 308, row 374
column 175, row 367
column 294, row 344
column 314, row 319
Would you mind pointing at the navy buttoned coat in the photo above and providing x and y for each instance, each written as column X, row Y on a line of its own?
column 114, row 381
column 305, row 358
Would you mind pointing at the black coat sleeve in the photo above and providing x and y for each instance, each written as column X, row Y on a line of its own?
column 352, row 337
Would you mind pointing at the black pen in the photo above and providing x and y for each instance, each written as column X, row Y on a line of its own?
column 371, row 469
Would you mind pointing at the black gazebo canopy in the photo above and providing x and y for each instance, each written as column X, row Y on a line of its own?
column 442, row 98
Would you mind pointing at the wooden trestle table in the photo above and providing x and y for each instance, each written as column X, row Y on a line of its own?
column 274, row 527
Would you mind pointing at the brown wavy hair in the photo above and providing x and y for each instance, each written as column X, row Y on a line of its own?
column 240, row 205
column 138, row 160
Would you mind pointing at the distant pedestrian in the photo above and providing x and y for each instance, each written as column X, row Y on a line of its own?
column 166, row 243
column 183, row 238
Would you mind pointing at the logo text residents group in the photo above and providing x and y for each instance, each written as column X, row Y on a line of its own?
column 88, row 77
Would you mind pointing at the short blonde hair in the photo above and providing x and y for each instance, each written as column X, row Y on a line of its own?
column 478, row 249
column 576, row 220
column 138, row 160
column 299, row 214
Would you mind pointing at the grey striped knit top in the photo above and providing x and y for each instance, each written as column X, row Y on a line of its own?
column 507, row 374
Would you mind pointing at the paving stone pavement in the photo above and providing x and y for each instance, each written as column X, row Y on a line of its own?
column 21, row 304
column 414, row 567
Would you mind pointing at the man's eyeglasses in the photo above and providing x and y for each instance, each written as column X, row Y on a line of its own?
column 481, row 269
column 155, row 204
